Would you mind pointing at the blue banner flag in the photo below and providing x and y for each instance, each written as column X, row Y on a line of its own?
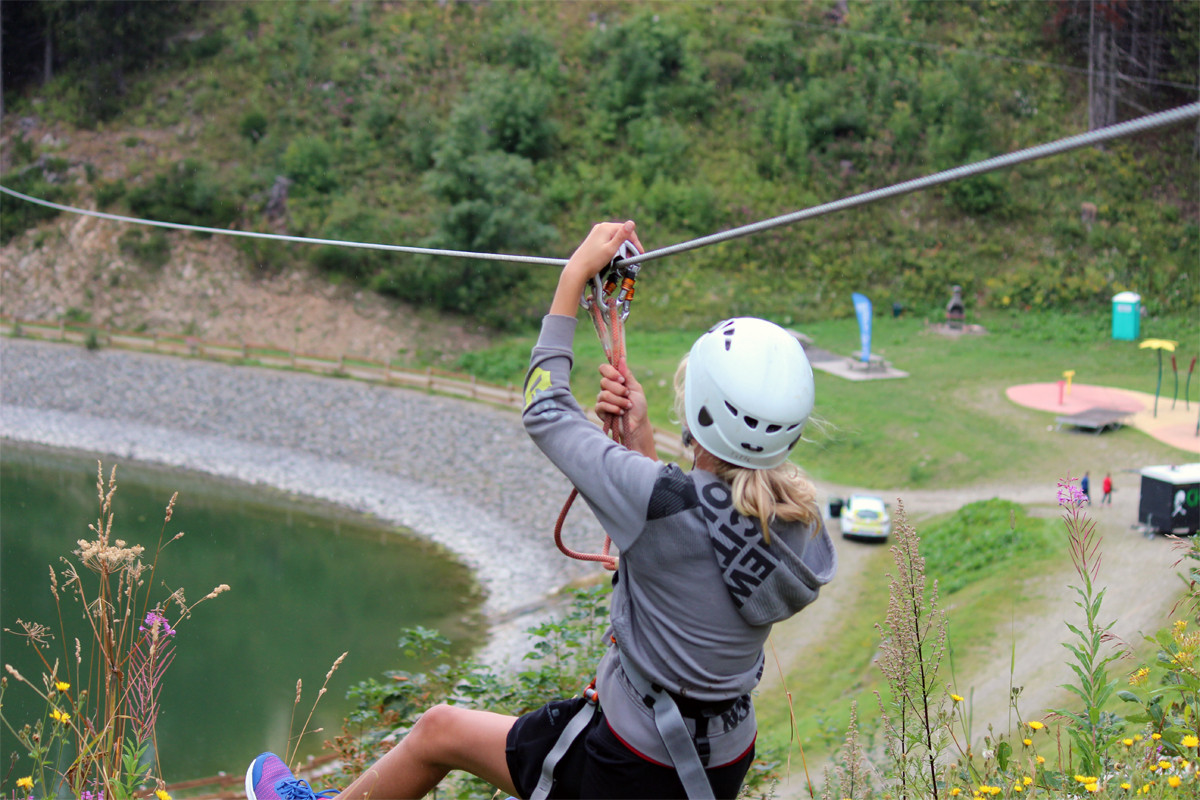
column 862, row 310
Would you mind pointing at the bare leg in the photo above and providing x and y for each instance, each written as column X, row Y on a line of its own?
column 445, row 738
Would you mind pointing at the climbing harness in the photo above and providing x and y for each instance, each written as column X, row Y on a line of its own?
column 608, row 305
column 688, row 754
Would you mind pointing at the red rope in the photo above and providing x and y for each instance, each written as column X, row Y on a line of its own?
column 612, row 338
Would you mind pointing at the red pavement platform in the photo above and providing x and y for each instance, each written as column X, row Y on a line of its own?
column 1174, row 426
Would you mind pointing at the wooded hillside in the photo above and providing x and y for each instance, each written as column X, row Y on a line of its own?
column 510, row 127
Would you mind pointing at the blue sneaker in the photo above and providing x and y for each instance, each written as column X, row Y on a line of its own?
column 268, row 778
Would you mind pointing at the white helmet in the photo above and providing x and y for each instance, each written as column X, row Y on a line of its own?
column 748, row 392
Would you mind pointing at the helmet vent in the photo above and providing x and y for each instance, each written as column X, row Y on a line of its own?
column 732, row 410
column 751, row 423
column 728, row 337
column 772, row 429
column 753, row 448
column 704, row 418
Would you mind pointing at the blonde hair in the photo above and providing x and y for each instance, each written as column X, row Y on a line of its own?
column 784, row 493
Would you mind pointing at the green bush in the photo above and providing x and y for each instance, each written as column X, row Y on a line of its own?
column 109, row 193
column 308, row 161
column 189, row 192
column 253, row 125
column 151, row 250
column 647, row 69
column 44, row 183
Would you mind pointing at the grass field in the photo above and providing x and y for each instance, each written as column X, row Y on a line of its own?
column 949, row 423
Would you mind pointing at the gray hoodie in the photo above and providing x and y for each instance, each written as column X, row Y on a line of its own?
column 697, row 587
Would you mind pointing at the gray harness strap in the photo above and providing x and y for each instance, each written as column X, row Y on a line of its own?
column 674, row 733
column 574, row 727
column 671, row 728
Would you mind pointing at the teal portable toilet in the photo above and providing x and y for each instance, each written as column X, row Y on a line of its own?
column 1127, row 316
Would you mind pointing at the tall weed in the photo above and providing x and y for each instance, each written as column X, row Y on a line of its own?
column 96, row 738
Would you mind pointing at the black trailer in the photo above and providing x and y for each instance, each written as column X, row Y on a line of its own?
column 1170, row 501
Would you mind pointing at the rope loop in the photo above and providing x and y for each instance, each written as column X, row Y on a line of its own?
column 608, row 307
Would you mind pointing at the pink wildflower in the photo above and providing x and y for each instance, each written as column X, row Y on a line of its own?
column 1069, row 494
column 155, row 619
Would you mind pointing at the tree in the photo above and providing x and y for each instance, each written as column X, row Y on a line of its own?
column 98, row 43
column 1139, row 52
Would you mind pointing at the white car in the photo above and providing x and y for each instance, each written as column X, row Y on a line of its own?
column 865, row 517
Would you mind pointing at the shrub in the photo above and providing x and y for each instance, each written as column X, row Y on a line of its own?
column 188, row 192
column 253, row 125
column 109, row 193
column 43, row 182
column 151, row 250
column 647, row 69
column 308, row 161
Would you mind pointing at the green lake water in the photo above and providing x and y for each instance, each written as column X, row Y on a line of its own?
column 308, row 582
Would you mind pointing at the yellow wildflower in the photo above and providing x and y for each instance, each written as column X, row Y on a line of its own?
column 1027, row 742
column 1156, row 736
column 25, row 783
column 1037, row 726
column 60, row 716
column 1017, row 787
column 161, row 794
column 1126, row 786
column 1190, row 741
column 1139, row 677
column 62, row 686
column 1164, row 765
column 1174, row 781
column 1027, row 780
column 1041, row 759
column 1137, row 737
column 958, row 698
column 1127, row 742
column 1181, row 625
column 1092, row 787
column 955, row 792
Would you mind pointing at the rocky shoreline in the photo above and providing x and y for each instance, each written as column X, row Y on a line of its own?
column 461, row 474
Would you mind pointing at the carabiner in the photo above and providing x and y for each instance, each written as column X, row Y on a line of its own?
column 614, row 280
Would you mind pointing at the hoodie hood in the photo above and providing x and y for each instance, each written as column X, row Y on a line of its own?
column 767, row 583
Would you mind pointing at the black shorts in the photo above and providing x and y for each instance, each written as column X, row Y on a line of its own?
column 598, row 766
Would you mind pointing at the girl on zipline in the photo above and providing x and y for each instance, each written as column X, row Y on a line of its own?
column 709, row 560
